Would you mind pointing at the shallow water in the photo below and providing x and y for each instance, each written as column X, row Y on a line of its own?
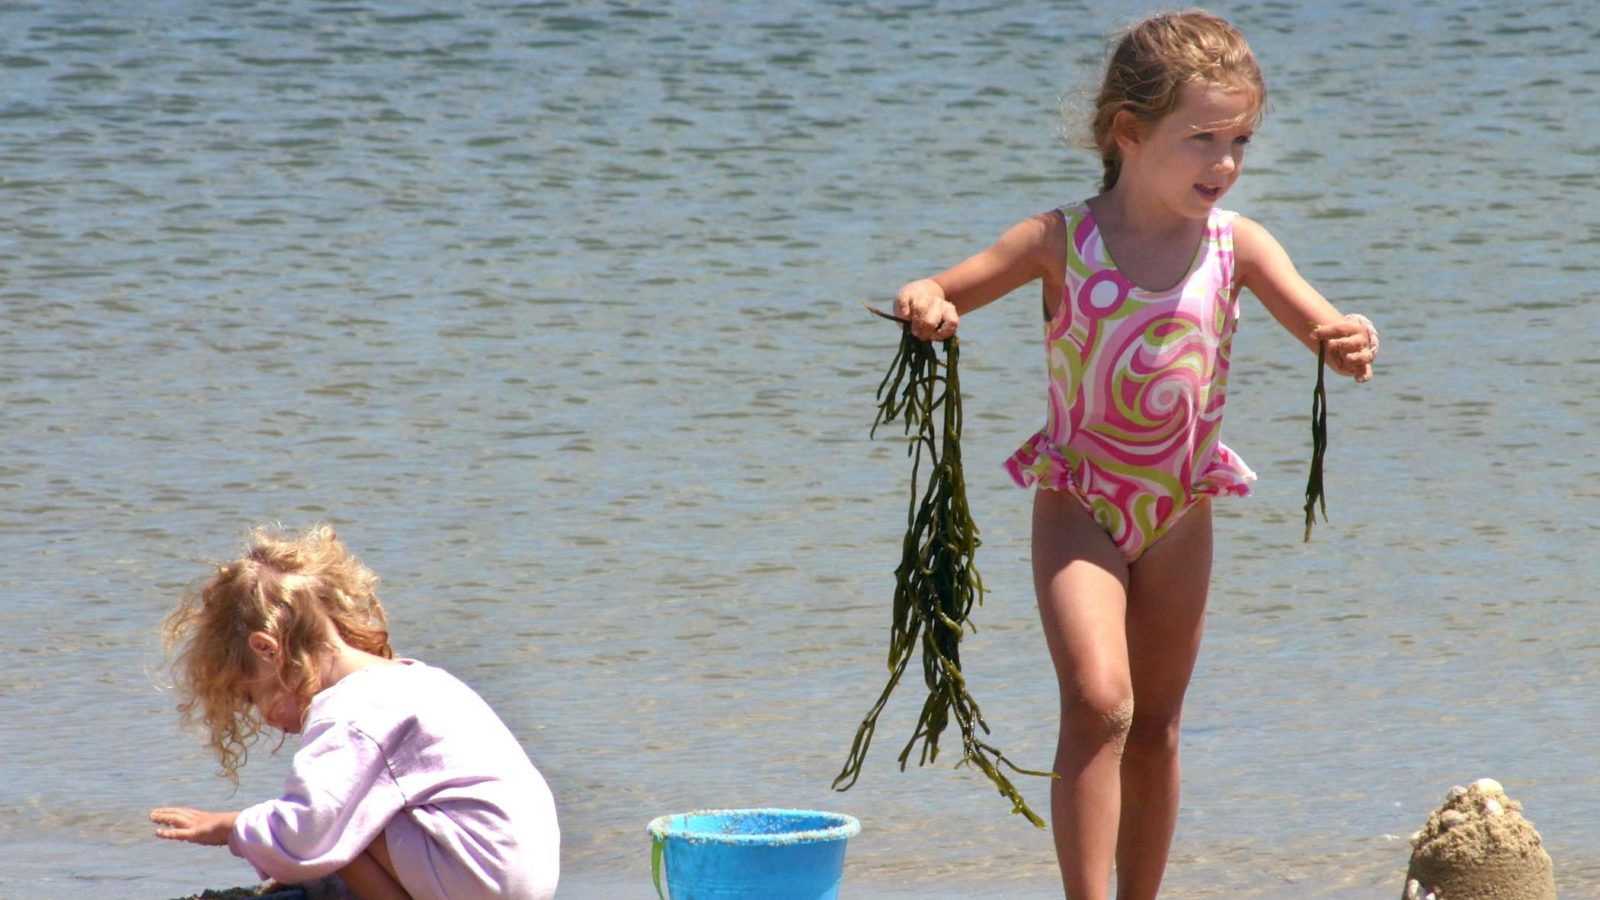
column 553, row 310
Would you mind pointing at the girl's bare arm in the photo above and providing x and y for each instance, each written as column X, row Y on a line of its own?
column 1025, row 252
column 1265, row 268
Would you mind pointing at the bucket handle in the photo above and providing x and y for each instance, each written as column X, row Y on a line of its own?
column 658, row 843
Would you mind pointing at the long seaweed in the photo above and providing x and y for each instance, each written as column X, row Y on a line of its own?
column 936, row 583
column 1315, row 497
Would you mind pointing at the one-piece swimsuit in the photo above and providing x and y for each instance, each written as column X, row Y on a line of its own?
column 1138, row 380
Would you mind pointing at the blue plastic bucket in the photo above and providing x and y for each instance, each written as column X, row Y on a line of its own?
column 770, row 854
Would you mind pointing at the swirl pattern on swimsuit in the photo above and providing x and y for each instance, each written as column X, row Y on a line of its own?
column 1138, row 381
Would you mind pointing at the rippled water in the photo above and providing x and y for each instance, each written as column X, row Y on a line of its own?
column 552, row 308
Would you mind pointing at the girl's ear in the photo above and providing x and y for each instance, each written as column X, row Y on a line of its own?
column 265, row 647
column 1126, row 130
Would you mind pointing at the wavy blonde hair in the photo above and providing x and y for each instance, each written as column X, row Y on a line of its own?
column 1154, row 59
column 289, row 587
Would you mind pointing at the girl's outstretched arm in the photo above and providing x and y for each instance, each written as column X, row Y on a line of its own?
column 179, row 823
column 1030, row 249
column 1265, row 268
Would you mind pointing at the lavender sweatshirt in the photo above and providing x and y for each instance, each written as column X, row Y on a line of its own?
column 411, row 753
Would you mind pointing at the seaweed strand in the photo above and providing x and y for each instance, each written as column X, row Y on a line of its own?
column 936, row 584
column 1315, row 498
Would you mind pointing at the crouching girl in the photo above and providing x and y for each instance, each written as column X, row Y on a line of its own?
column 406, row 783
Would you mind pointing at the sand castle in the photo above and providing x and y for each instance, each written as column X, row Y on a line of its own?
column 1477, row 846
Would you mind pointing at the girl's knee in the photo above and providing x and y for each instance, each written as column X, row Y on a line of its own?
column 1155, row 733
column 1105, row 720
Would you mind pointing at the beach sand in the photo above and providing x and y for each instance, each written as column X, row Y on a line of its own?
column 265, row 891
column 1477, row 846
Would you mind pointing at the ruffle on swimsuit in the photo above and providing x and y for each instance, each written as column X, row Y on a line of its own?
column 1138, row 381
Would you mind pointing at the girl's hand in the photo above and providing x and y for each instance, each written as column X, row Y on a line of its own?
column 1352, row 346
column 195, row 826
column 922, row 303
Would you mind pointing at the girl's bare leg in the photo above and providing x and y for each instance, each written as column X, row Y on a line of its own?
column 1082, row 585
column 1167, row 590
column 370, row 876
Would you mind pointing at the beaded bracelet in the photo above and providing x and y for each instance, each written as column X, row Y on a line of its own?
column 1372, row 331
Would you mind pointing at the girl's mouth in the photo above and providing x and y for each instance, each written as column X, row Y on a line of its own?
column 1209, row 192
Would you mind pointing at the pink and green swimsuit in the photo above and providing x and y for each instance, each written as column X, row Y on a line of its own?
column 1138, row 380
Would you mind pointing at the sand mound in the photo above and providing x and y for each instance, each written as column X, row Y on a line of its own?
column 1477, row 846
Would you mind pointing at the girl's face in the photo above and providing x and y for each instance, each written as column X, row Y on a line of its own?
column 276, row 705
column 1195, row 154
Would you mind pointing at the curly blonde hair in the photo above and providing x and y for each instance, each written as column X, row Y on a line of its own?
column 1154, row 59
column 289, row 587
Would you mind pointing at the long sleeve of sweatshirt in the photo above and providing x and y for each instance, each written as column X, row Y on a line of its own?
column 339, row 797
column 410, row 753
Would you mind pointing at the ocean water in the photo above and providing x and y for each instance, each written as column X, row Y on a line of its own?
column 553, row 310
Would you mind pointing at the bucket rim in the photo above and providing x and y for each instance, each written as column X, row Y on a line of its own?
column 847, row 826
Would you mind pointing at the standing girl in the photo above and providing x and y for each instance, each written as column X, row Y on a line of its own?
column 406, row 783
column 1140, row 291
